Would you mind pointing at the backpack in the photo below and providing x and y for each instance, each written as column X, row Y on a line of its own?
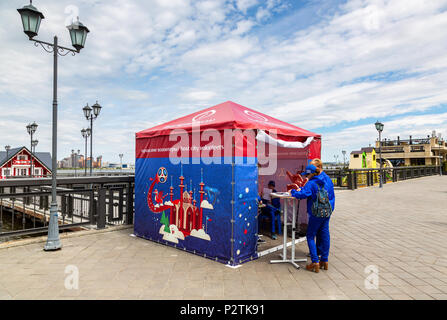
column 321, row 208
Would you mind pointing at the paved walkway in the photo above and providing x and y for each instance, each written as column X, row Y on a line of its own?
column 399, row 231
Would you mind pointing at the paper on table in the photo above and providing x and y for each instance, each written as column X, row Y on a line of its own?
column 283, row 193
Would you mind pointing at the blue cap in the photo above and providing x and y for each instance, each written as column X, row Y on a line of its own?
column 309, row 169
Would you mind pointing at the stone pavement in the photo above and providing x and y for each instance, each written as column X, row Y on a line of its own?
column 399, row 231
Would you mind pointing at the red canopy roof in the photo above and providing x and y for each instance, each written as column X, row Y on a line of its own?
column 227, row 115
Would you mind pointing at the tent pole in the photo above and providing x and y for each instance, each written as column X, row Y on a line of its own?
column 232, row 200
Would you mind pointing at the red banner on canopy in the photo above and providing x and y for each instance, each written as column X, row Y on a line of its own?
column 227, row 115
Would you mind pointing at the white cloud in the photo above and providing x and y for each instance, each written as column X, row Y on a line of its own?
column 262, row 14
column 214, row 53
column 199, row 95
column 355, row 137
column 243, row 27
column 144, row 57
column 200, row 234
column 174, row 235
column 170, row 237
column 244, row 5
column 206, row 205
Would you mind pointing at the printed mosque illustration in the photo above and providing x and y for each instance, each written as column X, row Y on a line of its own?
column 185, row 218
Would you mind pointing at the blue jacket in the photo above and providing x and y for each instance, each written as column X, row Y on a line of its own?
column 276, row 202
column 310, row 190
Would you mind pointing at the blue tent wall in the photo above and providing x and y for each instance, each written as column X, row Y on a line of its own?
column 217, row 179
column 245, row 210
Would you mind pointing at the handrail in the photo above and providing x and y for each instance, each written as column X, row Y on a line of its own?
column 18, row 182
column 353, row 178
column 100, row 201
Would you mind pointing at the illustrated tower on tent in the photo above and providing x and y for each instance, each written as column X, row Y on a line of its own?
column 201, row 198
column 171, row 213
column 184, row 212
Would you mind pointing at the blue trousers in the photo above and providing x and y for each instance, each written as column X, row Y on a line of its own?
column 318, row 228
column 275, row 216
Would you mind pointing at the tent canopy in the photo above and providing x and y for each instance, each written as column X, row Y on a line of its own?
column 205, row 202
column 227, row 115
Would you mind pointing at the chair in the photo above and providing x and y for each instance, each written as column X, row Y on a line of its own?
column 274, row 215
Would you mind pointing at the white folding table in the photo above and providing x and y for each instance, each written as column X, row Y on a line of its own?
column 286, row 196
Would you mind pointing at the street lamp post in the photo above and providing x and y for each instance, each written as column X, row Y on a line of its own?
column 74, row 160
column 33, row 150
column 31, row 18
column 77, row 162
column 89, row 115
column 344, row 158
column 379, row 128
column 85, row 134
column 7, row 148
column 31, row 129
column 73, row 163
column 34, row 144
column 440, row 156
column 121, row 161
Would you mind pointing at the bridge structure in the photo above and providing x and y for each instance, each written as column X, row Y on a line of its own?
column 83, row 202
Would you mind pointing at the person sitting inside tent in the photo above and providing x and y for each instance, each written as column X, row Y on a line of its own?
column 272, row 211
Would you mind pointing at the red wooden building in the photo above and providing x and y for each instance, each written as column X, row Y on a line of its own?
column 18, row 162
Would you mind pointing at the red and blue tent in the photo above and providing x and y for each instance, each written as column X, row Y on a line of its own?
column 197, row 178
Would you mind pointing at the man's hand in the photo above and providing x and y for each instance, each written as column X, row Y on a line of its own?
column 297, row 179
column 292, row 186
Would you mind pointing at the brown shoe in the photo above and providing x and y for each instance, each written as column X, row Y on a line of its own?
column 324, row 265
column 315, row 267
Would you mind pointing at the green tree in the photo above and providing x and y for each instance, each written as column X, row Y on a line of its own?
column 164, row 220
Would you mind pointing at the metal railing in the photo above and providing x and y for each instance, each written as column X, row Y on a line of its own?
column 386, row 143
column 355, row 178
column 103, row 173
column 82, row 202
column 417, row 149
column 392, row 149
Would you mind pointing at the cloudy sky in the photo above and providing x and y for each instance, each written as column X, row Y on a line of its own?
column 332, row 67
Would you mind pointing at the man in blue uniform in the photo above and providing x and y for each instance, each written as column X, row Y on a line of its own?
column 328, row 181
column 318, row 227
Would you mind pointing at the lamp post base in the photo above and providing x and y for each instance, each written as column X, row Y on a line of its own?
column 53, row 241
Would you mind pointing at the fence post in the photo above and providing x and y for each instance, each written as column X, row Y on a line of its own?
column 339, row 178
column 63, row 205
column 101, row 213
column 92, row 207
column 28, row 199
column 70, row 205
column 129, row 204
column 110, row 205
column 350, row 186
